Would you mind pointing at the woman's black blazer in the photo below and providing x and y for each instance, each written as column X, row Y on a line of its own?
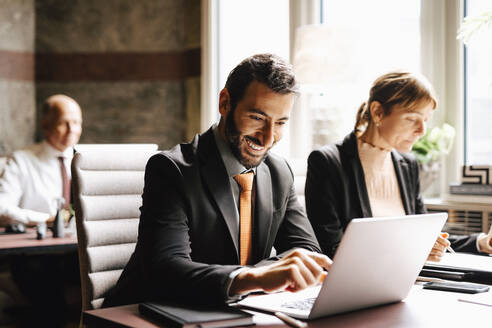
column 336, row 192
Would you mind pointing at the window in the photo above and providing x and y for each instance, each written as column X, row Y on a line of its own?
column 357, row 42
column 478, row 89
column 247, row 28
column 360, row 41
column 250, row 27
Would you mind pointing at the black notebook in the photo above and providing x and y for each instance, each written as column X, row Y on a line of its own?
column 180, row 316
column 457, row 273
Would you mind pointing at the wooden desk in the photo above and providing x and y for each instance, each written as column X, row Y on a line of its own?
column 422, row 308
column 26, row 243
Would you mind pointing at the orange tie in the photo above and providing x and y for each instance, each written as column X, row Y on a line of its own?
column 245, row 182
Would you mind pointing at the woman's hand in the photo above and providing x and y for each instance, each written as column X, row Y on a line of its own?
column 439, row 247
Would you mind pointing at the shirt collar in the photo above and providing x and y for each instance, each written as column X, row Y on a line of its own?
column 232, row 165
column 51, row 151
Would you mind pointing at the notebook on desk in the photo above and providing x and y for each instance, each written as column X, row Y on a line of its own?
column 461, row 267
column 180, row 316
column 376, row 263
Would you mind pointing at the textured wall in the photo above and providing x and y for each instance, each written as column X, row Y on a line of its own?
column 192, row 84
column 132, row 66
column 17, row 108
column 129, row 112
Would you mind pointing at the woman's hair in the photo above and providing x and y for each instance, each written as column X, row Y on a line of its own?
column 396, row 88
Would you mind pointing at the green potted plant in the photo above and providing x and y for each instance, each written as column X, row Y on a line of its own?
column 430, row 149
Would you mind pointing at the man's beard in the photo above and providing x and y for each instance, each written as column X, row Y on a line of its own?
column 233, row 137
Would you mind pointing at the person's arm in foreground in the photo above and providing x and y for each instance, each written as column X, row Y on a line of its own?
column 295, row 271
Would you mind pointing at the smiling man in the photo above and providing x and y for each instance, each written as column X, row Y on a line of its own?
column 214, row 209
column 256, row 123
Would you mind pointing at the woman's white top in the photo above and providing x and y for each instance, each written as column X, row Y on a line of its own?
column 381, row 182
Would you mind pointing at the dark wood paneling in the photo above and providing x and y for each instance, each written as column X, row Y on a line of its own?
column 53, row 67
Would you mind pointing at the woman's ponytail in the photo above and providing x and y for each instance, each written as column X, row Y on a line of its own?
column 362, row 118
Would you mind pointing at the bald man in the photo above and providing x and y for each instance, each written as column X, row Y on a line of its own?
column 33, row 182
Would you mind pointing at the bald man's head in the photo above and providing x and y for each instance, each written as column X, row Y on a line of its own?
column 61, row 121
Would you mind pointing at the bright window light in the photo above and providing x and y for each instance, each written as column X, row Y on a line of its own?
column 478, row 82
column 251, row 27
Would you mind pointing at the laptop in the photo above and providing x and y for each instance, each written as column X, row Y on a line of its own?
column 376, row 263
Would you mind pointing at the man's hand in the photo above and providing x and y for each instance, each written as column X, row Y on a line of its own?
column 485, row 242
column 296, row 271
column 439, row 248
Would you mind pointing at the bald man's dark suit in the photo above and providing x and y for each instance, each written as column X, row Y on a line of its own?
column 188, row 233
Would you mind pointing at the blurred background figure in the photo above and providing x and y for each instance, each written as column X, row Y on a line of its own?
column 35, row 181
column 34, row 178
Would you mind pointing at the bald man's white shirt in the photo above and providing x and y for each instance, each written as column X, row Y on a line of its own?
column 31, row 183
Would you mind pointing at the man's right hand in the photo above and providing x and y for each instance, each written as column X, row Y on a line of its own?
column 294, row 272
column 485, row 242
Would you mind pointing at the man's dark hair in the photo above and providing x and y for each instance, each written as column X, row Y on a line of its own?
column 269, row 69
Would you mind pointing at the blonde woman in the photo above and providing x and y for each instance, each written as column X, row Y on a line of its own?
column 370, row 172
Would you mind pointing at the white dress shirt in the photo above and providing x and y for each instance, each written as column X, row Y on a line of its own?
column 31, row 183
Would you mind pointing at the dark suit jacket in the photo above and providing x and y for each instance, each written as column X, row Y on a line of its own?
column 188, row 237
column 336, row 192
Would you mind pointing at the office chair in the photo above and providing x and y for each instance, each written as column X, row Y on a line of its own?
column 3, row 162
column 106, row 187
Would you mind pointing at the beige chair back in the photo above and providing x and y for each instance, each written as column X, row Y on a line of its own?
column 3, row 162
column 107, row 191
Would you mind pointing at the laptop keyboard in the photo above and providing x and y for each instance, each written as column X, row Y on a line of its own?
column 305, row 304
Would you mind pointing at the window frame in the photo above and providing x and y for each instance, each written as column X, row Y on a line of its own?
column 442, row 62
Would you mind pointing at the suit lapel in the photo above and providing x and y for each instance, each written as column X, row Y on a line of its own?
column 263, row 210
column 350, row 148
column 402, row 174
column 215, row 176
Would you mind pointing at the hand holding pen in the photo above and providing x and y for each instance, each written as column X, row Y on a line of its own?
column 441, row 245
column 445, row 235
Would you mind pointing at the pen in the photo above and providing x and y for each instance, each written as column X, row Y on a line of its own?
column 290, row 321
column 449, row 249
column 445, row 235
column 428, row 279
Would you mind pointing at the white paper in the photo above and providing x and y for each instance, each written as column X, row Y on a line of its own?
column 481, row 299
column 466, row 261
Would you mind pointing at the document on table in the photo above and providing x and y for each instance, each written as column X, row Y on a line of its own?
column 480, row 299
column 465, row 261
column 471, row 262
